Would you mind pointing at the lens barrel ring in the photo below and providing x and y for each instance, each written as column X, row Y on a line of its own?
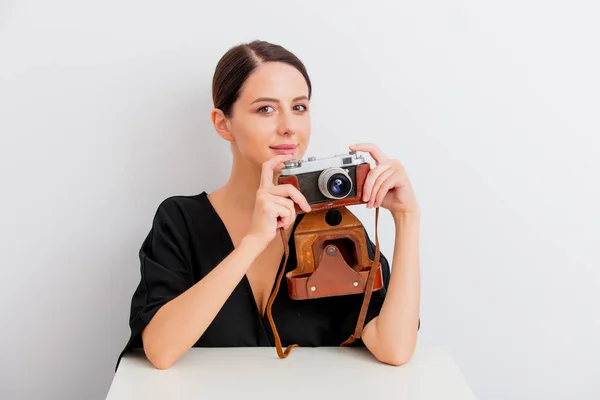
column 324, row 182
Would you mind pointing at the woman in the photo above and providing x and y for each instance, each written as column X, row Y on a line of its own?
column 210, row 261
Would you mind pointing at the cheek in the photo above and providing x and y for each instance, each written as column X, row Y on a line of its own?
column 252, row 131
column 306, row 133
column 306, row 126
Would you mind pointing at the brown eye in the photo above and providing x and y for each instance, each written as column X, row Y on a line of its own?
column 265, row 109
column 302, row 107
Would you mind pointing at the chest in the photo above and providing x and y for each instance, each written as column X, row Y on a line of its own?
column 262, row 274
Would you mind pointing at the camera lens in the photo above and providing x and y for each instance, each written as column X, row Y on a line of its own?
column 339, row 186
column 335, row 183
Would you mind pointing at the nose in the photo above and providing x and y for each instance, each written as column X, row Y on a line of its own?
column 285, row 127
column 287, row 132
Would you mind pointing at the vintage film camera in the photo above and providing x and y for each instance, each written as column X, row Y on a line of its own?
column 328, row 183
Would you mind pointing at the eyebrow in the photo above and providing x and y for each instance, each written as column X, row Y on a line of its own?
column 273, row 100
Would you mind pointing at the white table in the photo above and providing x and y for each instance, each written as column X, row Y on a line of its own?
column 308, row 373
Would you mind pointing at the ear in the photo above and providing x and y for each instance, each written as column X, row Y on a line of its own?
column 222, row 124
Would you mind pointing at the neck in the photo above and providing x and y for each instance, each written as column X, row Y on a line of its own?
column 244, row 181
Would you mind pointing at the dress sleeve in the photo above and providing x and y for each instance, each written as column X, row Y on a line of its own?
column 165, row 268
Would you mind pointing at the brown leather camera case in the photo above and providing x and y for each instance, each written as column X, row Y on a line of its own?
column 332, row 260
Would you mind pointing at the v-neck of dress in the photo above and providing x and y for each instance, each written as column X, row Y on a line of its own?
column 231, row 247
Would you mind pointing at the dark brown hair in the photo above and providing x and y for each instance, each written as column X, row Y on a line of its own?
column 239, row 62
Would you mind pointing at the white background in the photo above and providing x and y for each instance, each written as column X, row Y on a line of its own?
column 493, row 107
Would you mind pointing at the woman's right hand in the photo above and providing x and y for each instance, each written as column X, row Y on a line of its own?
column 274, row 207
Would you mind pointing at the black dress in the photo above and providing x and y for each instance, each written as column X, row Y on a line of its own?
column 187, row 240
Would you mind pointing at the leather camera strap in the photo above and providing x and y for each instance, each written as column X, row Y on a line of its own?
column 280, row 352
column 365, row 304
column 368, row 289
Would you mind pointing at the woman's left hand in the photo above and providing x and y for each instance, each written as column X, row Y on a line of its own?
column 387, row 185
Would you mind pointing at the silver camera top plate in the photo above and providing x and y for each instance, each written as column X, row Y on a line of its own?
column 296, row 167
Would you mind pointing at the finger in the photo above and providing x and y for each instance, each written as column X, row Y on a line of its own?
column 371, row 178
column 383, row 190
column 282, row 213
column 284, row 201
column 267, row 175
column 291, row 191
column 287, row 203
column 383, row 177
column 372, row 149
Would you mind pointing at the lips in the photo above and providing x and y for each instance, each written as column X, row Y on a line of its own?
column 284, row 149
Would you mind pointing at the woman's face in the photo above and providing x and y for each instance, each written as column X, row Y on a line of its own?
column 271, row 115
